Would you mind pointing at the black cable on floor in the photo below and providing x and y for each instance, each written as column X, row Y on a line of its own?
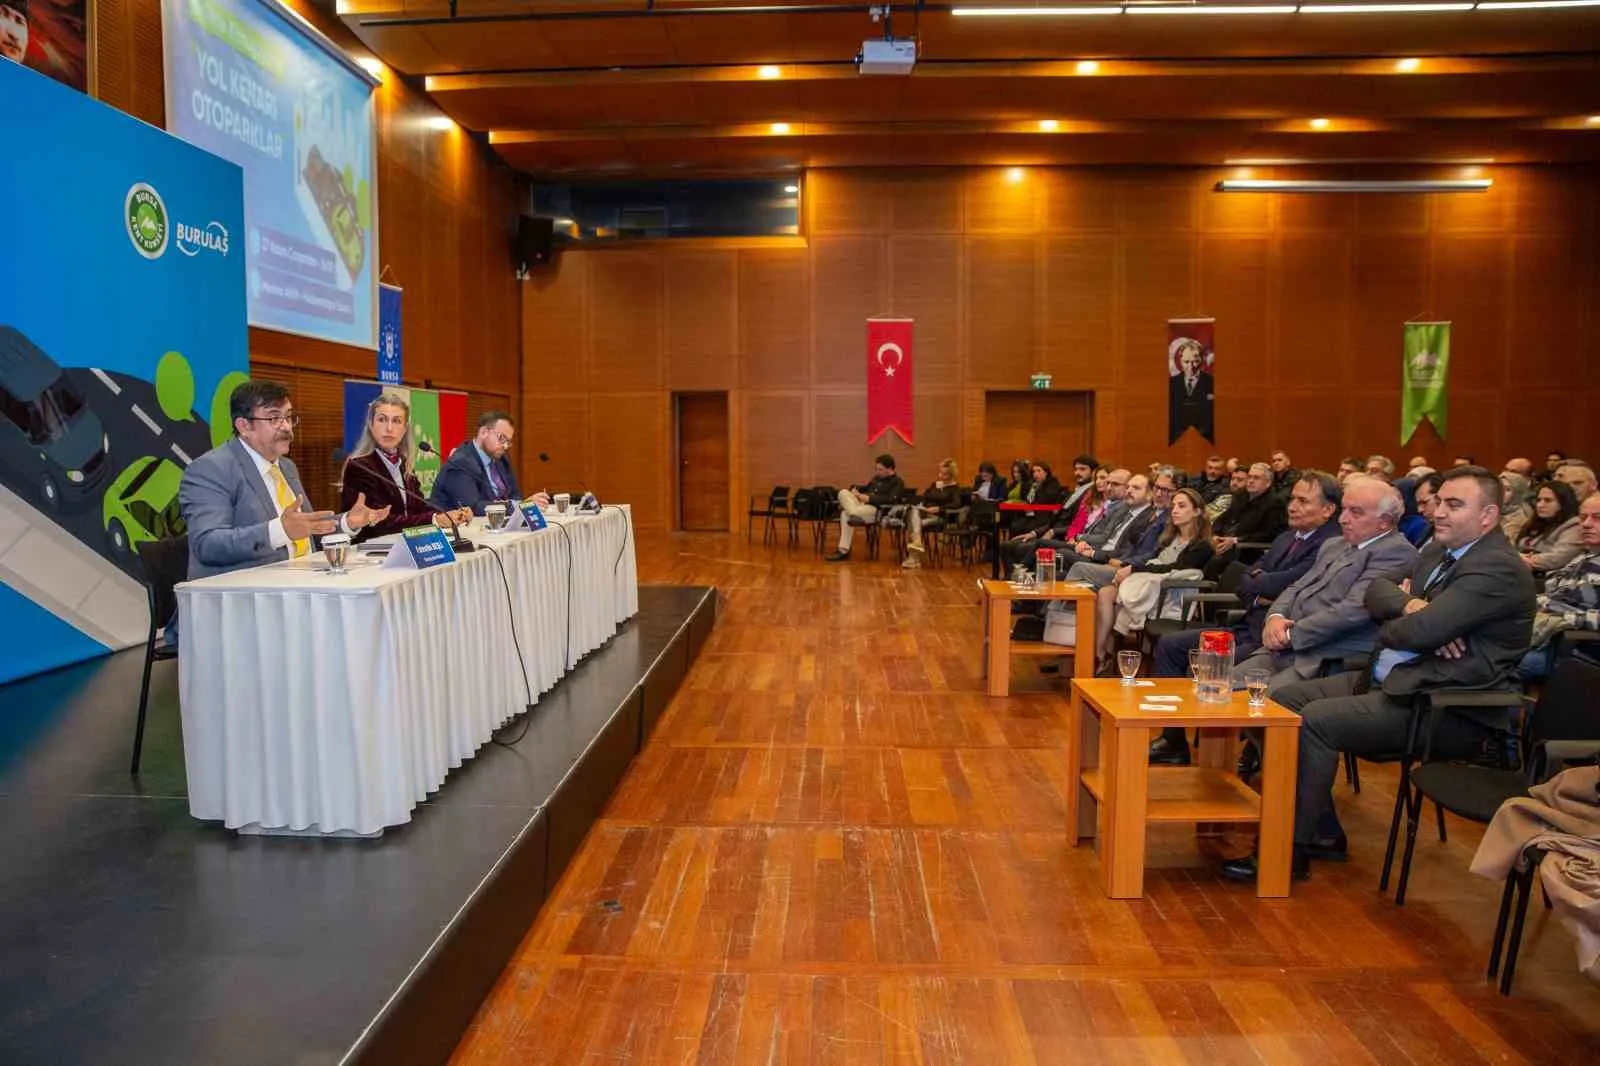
column 527, row 685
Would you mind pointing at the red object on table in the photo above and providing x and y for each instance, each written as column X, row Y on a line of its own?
column 1023, row 505
column 1219, row 641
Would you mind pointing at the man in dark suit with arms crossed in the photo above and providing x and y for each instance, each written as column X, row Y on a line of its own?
column 1462, row 618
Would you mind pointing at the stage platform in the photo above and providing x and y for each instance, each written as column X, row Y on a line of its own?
column 131, row 933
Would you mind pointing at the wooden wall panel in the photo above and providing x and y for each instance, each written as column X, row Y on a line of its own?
column 629, row 434
column 1077, row 272
column 849, row 287
column 702, row 309
column 558, row 426
column 774, row 318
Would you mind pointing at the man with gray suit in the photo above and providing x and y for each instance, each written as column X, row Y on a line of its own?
column 1323, row 615
column 1461, row 618
column 1098, row 563
column 243, row 501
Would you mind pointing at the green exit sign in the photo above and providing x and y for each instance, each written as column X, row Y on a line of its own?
column 1040, row 381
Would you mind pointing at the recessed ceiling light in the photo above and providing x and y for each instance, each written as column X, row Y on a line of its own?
column 440, row 122
column 780, row 127
column 1087, row 66
column 770, row 72
column 1379, row 9
column 1014, row 175
column 1215, row 9
column 1049, row 125
column 1406, row 66
column 1035, row 12
column 1593, row 120
column 791, row 188
column 372, row 65
column 1319, row 123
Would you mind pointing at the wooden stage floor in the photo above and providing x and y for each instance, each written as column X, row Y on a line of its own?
column 836, row 849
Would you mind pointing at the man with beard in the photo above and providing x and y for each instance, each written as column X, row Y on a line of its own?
column 14, row 29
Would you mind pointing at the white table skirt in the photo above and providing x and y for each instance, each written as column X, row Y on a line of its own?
column 338, row 703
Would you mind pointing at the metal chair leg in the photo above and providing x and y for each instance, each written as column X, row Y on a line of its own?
column 144, row 701
column 1414, row 804
column 1501, row 922
column 1438, row 811
column 1352, row 774
column 1525, row 889
column 1394, row 824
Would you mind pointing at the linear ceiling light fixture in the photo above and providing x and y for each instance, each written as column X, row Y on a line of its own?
column 1354, row 7
column 1269, row 185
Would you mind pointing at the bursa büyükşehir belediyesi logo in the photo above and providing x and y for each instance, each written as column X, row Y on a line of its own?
column 146, row 216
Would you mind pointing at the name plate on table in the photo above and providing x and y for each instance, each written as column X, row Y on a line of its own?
column 526, row 515
column 420, row 548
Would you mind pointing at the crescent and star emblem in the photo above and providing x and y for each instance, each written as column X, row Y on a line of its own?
column 891, row 348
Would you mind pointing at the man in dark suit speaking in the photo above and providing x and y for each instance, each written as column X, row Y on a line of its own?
column 1461, row 618
column 478, row 472
column 1191, row 393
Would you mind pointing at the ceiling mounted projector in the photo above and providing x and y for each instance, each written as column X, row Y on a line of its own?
column 888, row 55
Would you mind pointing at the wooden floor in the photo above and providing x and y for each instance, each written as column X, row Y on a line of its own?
column 836, row 849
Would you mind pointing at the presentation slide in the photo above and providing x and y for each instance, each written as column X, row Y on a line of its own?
column 252, row 83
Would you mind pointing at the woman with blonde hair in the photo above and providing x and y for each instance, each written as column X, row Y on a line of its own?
column 1135, row 592
column 381, row 468
column 941, row 498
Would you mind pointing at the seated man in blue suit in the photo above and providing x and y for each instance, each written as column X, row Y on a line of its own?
column 243, row 500
column 478, row 471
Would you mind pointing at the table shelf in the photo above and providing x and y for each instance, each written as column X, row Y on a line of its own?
column 1189, row 794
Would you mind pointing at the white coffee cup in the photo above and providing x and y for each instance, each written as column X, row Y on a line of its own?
column 563, row 500
column 494, row 515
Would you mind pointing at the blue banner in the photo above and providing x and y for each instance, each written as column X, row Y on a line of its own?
column 122, row 333
column 388, row 334
column 252, row 82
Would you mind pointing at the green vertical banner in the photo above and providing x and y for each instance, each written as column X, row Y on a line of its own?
column 425, row 427
column 1425, row 377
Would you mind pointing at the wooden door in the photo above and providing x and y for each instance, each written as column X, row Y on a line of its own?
column 702, row 420
column 1053, row 426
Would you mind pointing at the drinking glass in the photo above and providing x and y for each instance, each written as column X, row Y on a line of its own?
column 336, row 549
column 494, row 515
column 1194, row 668
column 1255, row 683
column 1128, row 665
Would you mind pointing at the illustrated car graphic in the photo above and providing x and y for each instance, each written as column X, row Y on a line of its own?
column 338, row 206
column 47, row 432
column 142, row 504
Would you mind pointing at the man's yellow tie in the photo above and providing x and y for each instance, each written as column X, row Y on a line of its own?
column 285, row 501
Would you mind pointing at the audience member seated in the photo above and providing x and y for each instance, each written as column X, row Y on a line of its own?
column 380, row 471
column 1380, row 466
column 1213, row 482
column 939, row 499
column 1415, row 463
column 1571, row 597
column 988, row 485
column 1284, row 475
column 1021, row 481
column 1521, row 466
column 1324, row 615
column 1023, row 549
column 1258, row 516
column 479, row 471
column 1578, row 476
column 1042, row 488
column 243, row 501
column 1413, row 525
column 1552, row 463
column 1348, row 466
column 1090, row 508
column 1515, row 511
column 862, row 502
column 1135, row 541
column 1549, row 540
column 1183, row 548
column 1313, row 505
column 1235, row 491
column 1426, row 492
column 1462, row 619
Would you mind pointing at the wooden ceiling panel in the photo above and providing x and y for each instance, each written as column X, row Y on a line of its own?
column 606, row 42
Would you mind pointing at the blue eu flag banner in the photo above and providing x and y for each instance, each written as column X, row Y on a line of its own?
column 389, row 334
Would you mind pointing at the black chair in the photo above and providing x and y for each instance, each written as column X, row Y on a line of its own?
column 777, row 508
column 1519, row 883
column 805, row 508
column 1564, row 713
column 166, row 562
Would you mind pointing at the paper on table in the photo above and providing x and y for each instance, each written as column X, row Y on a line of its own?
column 1165, row 699
column 1144, row 684
column 1157, row 707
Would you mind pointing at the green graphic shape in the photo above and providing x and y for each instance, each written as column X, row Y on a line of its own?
column 221, row 421
column 175, row 387
column 425, row 427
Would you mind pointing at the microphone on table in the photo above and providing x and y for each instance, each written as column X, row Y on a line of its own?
column 586, row 499
column 458, row 543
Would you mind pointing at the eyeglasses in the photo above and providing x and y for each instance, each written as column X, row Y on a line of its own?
column 502, row 438
column 279, row 421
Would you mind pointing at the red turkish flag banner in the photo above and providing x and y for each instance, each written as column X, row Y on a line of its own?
column 889, row 400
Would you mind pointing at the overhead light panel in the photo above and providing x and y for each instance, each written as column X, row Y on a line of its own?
column 1319, row 123
column 791, row 189
column 1213, row 9
column 779, row 128
column 1380, row 9
column 1498, row 5
column 1406, row 66
column 1048, row 125
column 769, row 72
column 1292, row 185
column 1088, row 66
column 1067, row 11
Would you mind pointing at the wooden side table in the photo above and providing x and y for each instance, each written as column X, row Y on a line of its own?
column 998, row 647
column 1108, row 742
